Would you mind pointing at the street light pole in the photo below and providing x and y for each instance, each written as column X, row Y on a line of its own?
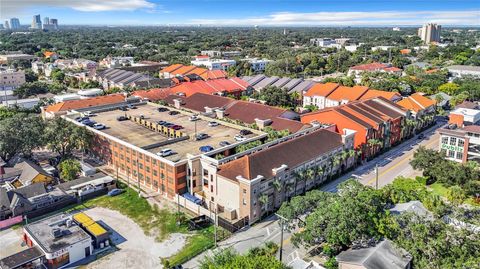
column 376, row 176
column 282, row 221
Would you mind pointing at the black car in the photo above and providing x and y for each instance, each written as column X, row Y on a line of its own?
column 132, row 107
column 173, row 113
column 123, row 108
column 162, row 109
column 122, row 118
column 224, row 143
column 201, row 136
column 245, row 132
column 161, row 122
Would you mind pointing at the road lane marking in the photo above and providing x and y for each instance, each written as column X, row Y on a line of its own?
column 407, row 158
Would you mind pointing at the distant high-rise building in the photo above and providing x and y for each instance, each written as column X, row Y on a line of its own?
column 7, row 25
column 1, row 26
column 14, row 23
column 36, row 22
column 46, row 20
column 51, row 24
column 429, row 33
column 54, row 22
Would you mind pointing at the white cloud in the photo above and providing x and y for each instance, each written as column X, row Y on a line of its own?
column 14, row 7
column 467, row 17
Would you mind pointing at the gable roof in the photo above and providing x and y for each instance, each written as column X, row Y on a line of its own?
column 416, row 102
column 29, row 171
column 291, row 153
column 382, row 255
column 322, row 89
column 375, row 93
column 199, row 101
column 84, row 103
column 183, row 70
column 213, row 74
column 152, row 94
column 171, row 68
column 348, row 93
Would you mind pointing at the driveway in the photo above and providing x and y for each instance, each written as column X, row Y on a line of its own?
column 136, row 249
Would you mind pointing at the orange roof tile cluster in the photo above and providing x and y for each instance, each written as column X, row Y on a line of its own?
column 348, row 93
column 322, row 89
column 371, row 67
column 334, row 91
column 48, row 54
column 84, row 103
column 182, row 70
column 232, row 85
column 416, row 102
column 153, row 94
column 456, row 119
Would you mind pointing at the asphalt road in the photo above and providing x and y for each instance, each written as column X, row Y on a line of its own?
column 391, row 164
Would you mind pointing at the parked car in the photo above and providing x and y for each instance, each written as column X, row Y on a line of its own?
column 162, row 109
column 80, row 119
column 87, row 114
column 115, row 192
column 99, row 126
column 161, row 122
column 213, row 124
column 201, row 136
column 173, row 113
column 142, row 117
column 177, row 127
column 421, row 136
column 245, row 132
column 88, row 122
column 165, row 152
column 194, row 118
column 224, row 143
column 122, row 108
column 240, row 138
column 131, row 106
column 122, row 118
column 169, row 125
column 206, row 148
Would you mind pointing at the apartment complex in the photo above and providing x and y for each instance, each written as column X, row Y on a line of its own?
column 11, row 79
column 323, row 95
column 188, row 73
column 429, row 33
column 14, row 56
column 298, row 85
column 213, row 64
column 357, row 70
column 378, row 123
column 251, row 185
column 118, row 78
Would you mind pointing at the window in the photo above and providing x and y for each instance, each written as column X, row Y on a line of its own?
column 205, row 172
column 154, row 162
column 134, row 162
column 244, row 202
column 162, row 175
column 140, row 165
column 444, row 140
column 162, row 165
column 121, row 157
column 244, row 191
column 128, row 159
column 451, row 154
column 148, row 180
column 115, row 154
column 461, row 142
column 155, row 184
column 140, row 156
column 155, row 173
column 211, row 188
column 147, row 159
column 453, row 141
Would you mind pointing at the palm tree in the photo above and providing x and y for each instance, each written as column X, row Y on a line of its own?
column 277, row 187
column 318, row 173
column 298, row 175
column 263, row 199
column 309, row 175
column 372, row 143
column 334, row 161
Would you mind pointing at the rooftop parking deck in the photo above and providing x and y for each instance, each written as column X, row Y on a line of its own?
column 145, row 133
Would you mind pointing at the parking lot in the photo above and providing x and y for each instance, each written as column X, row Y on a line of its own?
column 141, row 136
column 135, row 248
column 11, row 242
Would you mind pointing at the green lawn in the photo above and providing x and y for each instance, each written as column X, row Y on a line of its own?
column 439, row 189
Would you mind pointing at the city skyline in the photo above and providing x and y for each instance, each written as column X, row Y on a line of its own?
column 262, row 13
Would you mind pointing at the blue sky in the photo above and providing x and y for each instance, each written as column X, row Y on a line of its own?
column 247, row 12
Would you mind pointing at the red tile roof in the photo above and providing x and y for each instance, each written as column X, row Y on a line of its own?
column 213, row 86
column 84, row 103
column 153, row 94
column 183, row 70
column 214, row 74
column 321, row 89
column 171, row 68
column 291, row 153
column 375, row 67
column 416, row 102
column 348, row 93
column 375, row 93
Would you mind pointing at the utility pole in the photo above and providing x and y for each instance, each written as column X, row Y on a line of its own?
column 178, row 209
column 215, row 226
column 376, row 176
column 282, row 221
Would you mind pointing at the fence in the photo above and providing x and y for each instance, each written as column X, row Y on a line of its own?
column 232, row 227
column 11, row 221
column 197, row 209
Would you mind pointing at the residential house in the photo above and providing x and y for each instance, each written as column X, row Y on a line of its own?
column 118, row 78
column 29, row 173
column 357, row 70
column 189, row 72
column 381, row 256
column 213, row 64
column 32, row 201
column 50, row 55
column 11, row 79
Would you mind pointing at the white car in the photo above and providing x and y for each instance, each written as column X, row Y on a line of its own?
column 213, row 124
column 194, row 118
column 87, row 114
column 99, row 126
column 165, row 152
column 240, row 138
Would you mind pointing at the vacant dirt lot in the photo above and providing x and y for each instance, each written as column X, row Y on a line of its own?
column 136, row 250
